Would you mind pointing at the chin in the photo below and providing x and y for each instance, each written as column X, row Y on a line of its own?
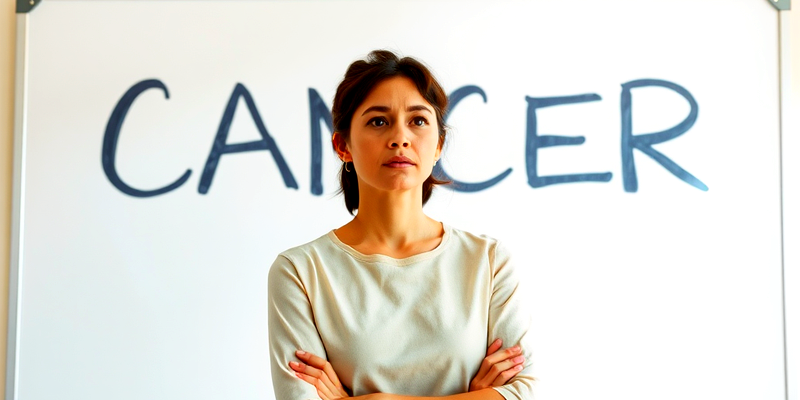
column 402, row 185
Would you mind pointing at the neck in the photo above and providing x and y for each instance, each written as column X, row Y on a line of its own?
column 391, row 222
column 392, row 217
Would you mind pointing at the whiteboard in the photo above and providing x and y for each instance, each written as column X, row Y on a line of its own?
column 660, row 286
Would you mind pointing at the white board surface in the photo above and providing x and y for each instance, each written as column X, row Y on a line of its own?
column 665, row 292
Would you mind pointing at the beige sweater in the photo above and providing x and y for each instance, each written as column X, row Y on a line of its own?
column 416, row 326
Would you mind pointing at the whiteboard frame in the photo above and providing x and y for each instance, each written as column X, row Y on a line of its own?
column 790, row 230
column 17, row 203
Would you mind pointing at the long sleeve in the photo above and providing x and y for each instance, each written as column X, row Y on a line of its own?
column 291, row 327
column 509, row 320
column 415, row 326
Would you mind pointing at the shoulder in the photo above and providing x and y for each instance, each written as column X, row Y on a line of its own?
column 304, row 256
column 294, row 270
column 493, row 254
column 481, row 242
column 481, row 249
column 322, row 244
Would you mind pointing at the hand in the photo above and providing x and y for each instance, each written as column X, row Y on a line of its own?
column 318, row 372
column 498, row 367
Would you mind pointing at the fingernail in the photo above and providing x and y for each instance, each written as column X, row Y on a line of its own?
column 518, row 359
column 293, row 364
column 515, row 348
column 518, row 368
column 301, row 353
column 497, row 341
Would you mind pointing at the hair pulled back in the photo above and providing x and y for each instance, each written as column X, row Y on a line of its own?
column 359, row 80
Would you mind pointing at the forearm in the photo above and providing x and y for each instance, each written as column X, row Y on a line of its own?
column 484, row 394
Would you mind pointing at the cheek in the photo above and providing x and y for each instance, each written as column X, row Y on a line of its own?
column 430, row 144
column 364, row 150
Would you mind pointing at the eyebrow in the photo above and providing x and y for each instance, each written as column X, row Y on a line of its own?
column 418, row 107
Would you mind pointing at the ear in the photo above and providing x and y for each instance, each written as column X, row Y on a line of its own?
column 340, row 145
column 438, row 151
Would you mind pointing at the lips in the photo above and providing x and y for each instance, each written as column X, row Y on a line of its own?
column 399, row 162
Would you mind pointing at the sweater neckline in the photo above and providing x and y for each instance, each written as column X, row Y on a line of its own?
column 384, row 259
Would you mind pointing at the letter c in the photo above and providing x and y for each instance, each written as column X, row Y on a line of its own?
column 111, row 137
column 454, row 98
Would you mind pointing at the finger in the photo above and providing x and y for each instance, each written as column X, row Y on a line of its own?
column 506, row 375
column 494, row 346
column 320, row 392
column 325, row 374
column 330, row 373
column 300, row 367
column 486, row 363
column 311, row 359
column 491, row 360
column 503, row 355
column 330, row 388
column 305, row 369
column 498, row 370
column 330, row 378
column 322, row 389
column 308, row 378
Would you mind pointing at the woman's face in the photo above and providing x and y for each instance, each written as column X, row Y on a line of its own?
column 394, row 137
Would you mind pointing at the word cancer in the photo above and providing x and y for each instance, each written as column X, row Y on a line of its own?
column 320, row 114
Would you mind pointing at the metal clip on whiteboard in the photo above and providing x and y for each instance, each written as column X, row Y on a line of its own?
column 781, row 4
column 25, row 6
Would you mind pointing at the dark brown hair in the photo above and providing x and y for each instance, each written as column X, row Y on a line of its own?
column 359, row 80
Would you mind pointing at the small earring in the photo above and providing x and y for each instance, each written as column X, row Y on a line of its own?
column 434, row 162
column 345, row 167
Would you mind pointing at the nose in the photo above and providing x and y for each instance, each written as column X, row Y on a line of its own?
column 404, row 143
column 399, row 138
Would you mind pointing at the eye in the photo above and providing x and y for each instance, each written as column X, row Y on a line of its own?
column 377, row 122
column 419, row 121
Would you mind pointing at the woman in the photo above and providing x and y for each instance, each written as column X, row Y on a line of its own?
column 395, row 304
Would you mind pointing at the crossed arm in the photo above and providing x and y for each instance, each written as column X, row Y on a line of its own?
column 497, row 368
column 294, row 325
